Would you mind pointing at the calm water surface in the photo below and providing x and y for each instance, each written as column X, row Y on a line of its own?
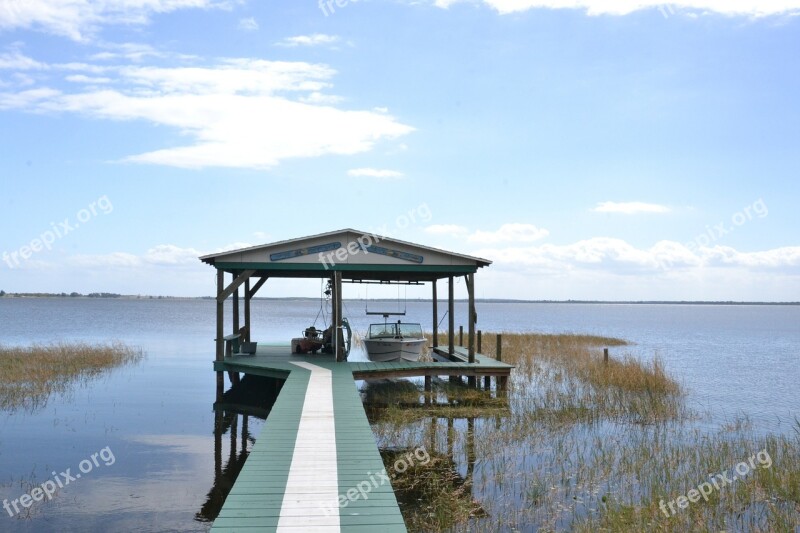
column 157, row 417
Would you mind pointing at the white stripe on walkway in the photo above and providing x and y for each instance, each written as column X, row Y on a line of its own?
column 312, row 490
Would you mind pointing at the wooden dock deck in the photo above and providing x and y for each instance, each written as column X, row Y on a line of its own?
column 315, row 466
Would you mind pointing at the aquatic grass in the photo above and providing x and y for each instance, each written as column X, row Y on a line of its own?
column 30, row 375
column 432, row 495
column 589, row 446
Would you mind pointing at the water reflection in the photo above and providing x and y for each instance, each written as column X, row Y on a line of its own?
column 253, row 396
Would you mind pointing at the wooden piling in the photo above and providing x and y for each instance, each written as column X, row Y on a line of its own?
column 220, row 355
column 247, row 310
column 500, row 381
column 605, row 355
column 435, row 330
column 451, row 322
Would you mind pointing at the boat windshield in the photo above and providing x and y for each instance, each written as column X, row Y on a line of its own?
column 410, row 331
column 382, row 331
column 393, row 330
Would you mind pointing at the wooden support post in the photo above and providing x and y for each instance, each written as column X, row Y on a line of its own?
column 498, row 381
column 499, row 349
column 337, row 276
column 333, row 311
column 236, row 311
column 605, row 355
column 234, row 376
column 478, row 346
column 435, row 330
column 247, row 310
column 461, row 336
column 451, row 322
column 220, row 355
column 471, row 323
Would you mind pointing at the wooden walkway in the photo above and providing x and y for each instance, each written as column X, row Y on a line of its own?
column 315, row 466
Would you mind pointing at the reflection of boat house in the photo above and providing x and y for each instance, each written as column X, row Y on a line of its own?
column 317, row 443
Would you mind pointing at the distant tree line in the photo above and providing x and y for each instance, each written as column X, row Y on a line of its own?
column 58, row 295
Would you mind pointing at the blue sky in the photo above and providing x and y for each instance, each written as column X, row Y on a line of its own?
column 592, row 149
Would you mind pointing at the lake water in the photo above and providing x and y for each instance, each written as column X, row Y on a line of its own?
column 157, row 419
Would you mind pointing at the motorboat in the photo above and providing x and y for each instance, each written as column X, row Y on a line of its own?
column 394, row 341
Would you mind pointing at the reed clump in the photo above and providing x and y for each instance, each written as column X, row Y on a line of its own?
column 29, row 375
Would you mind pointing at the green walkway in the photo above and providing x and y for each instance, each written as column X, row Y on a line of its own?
column 315, row 466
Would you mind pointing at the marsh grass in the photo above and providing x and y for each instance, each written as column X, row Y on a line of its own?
column 29, row 376
column 431, row 495
column 588, row 446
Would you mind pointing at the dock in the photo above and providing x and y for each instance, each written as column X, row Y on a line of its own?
column 316, row 466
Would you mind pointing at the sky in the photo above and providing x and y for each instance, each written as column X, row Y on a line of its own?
column 591, row 149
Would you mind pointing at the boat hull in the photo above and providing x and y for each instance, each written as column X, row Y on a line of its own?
column 386, row 350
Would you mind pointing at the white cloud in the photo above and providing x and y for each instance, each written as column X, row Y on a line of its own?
column 315, row 39
column 79, row 19
column 378, row 173
column 28, row 98
column 248, row 24
column 81, row 78
column 452, row 230
column 240, row 112
column 130, row 51
column 112, row 260
column 159, row 255
column 18, row 61
column 510, row 233
column 616, row 256
column 754, row 8
column 169, row 254
column 630, row 208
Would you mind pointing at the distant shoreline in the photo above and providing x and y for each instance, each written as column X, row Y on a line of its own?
column 112, row 296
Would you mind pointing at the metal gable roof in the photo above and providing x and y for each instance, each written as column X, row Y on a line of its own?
column 356, row 253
